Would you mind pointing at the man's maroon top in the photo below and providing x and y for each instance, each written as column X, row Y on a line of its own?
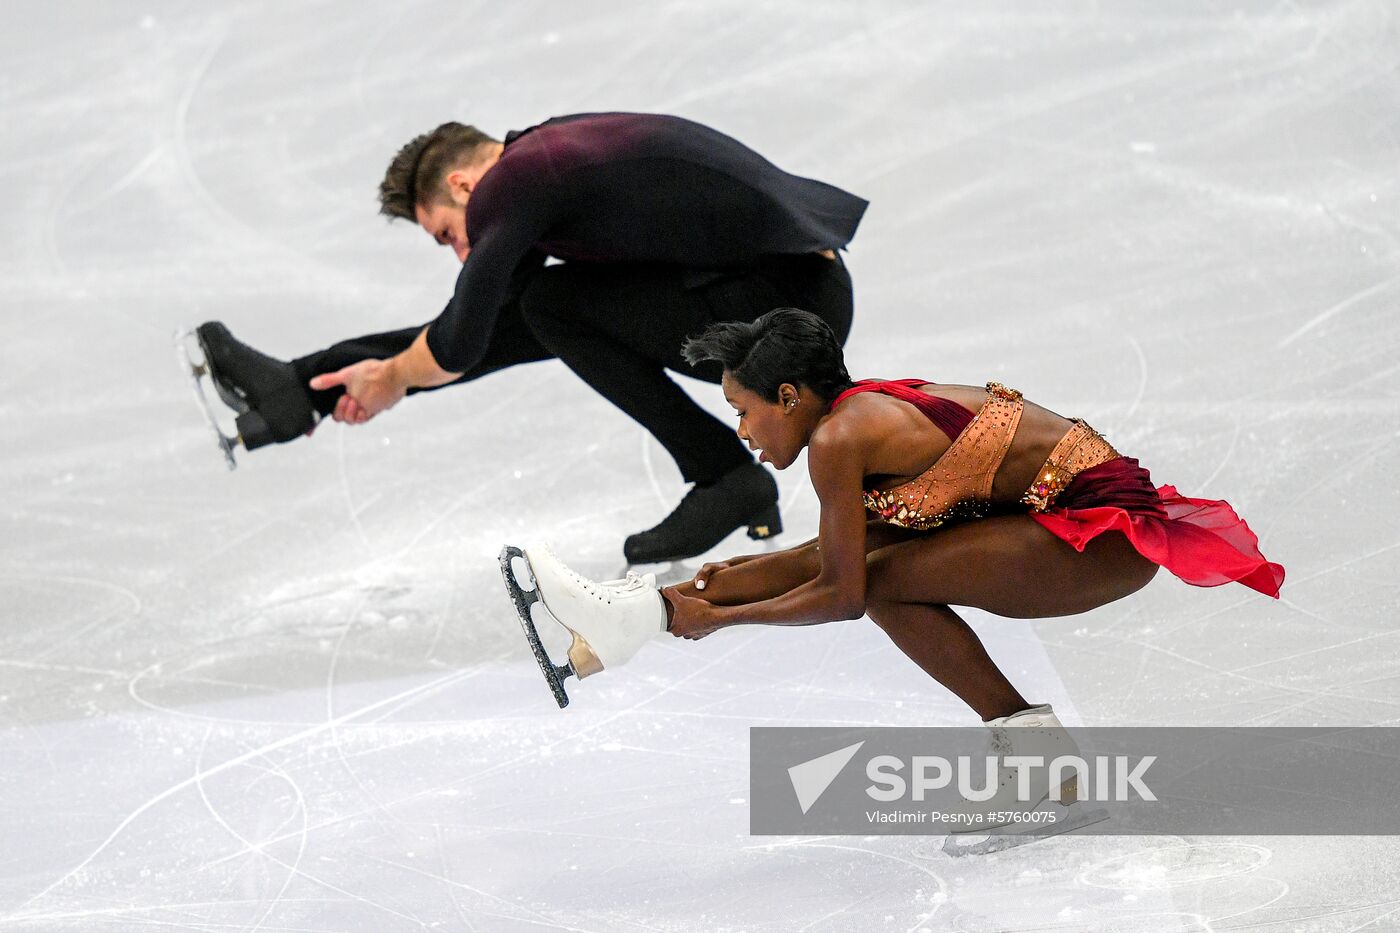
column 628, row 187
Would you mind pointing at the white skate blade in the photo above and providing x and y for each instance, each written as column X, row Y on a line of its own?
column 193, row 373
column 524, row 598
column 957, row 845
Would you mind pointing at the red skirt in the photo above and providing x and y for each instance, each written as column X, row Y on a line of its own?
column 1202, row 541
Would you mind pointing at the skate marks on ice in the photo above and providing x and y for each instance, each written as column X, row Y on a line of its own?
column 308, row 634
column 1037, row 887
column 82, row 605
column 1175, row 864
column 926, row 902
column 1229, row 875
column 202, row 774
column 1080, row 887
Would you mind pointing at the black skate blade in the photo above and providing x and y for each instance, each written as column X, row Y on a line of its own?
column 524, row 599
column 957, row 845
column 226, row 394
column 193, row 373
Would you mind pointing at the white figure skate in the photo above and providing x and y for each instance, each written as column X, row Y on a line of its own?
column 1032, row 732
column 608, row 621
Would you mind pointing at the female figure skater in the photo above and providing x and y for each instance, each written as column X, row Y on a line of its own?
column 932, row 496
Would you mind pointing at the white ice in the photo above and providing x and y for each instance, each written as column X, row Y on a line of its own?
column 294, row 698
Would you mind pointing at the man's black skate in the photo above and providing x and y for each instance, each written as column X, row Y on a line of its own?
column 746, row 495
column 271, row 403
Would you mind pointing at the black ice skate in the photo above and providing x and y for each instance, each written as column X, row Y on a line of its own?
column 746, row 495
column 268, row 400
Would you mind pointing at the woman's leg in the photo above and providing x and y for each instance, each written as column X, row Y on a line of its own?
column 939, row 641
column 1008, row 565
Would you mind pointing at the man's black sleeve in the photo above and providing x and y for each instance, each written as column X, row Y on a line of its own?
column 459, row 336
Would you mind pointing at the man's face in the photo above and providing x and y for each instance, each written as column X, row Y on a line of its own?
column 446, row 222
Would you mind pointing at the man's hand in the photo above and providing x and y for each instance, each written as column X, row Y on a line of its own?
column 371, row 386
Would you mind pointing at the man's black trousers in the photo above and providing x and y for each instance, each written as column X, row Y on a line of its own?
column 620, row 326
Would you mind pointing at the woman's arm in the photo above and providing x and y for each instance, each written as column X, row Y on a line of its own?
column 798, row 554
column 837, row 591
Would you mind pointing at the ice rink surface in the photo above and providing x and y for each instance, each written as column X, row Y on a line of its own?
column 294, row 697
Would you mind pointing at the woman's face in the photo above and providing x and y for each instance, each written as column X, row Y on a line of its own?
column 768, row 426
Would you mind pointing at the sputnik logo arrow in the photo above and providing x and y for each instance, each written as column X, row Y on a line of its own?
column 810, row 779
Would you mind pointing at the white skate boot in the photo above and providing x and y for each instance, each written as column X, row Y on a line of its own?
column 609, row 621
column 1033, row 732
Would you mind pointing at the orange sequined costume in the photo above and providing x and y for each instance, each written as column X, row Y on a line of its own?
column 1084, row 489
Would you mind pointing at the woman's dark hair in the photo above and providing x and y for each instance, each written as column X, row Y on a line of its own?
column 785, row 345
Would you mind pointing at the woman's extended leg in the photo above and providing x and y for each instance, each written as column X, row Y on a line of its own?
column 1010, row 566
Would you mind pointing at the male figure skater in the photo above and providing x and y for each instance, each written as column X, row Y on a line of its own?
column 663, row 227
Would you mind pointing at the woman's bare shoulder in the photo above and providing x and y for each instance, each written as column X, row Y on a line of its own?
column 840, row 428
column 861, row 421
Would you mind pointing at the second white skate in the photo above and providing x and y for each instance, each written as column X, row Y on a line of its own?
column 1035, row 732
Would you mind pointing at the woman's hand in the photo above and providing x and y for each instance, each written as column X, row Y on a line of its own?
column 693, row 618
column 702, row 577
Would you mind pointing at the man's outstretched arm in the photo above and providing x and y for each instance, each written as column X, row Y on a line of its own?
column 460, row 335
column 373, row 386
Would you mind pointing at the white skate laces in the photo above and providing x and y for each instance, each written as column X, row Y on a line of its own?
column 633, row 581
